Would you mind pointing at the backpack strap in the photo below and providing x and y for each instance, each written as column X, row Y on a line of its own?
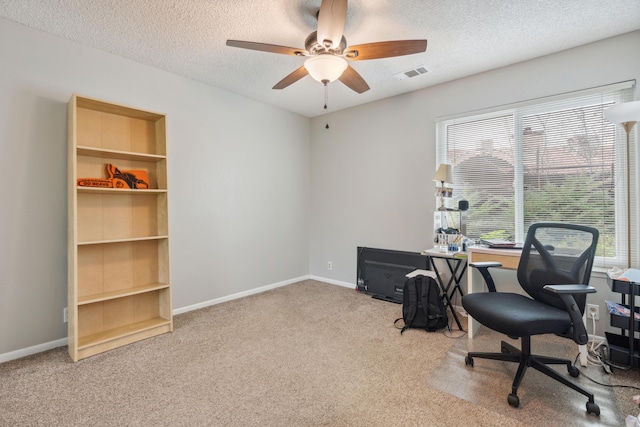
column 438, row 317
column 402, row 329
column 413, row 296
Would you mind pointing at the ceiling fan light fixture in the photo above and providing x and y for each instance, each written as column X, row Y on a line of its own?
column 325, row 67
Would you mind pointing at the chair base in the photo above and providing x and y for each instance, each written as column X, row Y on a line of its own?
column 525, row 359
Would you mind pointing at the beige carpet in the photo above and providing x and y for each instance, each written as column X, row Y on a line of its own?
column 308, row 354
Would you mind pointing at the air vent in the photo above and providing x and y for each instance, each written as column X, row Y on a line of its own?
column 414, row 72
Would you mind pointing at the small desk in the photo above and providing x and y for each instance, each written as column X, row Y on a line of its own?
column 457, row 263
column 509, row 258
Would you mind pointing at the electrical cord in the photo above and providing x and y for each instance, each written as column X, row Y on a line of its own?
column 451, row 333
column 454, row 334
column 596, row 358
column 603, row 384
column 593, row 356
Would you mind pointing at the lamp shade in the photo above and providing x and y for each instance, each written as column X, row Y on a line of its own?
column 623, row 113
column 444, row 173
column 326, row 67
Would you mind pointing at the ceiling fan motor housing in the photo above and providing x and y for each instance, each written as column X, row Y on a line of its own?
column 315, row 48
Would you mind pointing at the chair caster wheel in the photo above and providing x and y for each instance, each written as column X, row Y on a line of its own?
column 513, row 400
column 573, row 371
column 468, row 360
column 593, row 408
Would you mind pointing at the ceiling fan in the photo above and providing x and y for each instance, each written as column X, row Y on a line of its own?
column 327, row 51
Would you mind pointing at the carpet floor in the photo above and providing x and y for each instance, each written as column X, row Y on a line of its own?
column 307, row 354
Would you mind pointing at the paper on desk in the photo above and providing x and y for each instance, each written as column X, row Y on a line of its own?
column 415, row 273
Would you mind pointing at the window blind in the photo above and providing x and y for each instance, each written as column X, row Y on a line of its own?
column 553, row 159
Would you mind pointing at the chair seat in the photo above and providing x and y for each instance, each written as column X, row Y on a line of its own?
column 515, row 315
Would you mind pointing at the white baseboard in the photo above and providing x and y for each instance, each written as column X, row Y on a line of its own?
column 24, row 352
column 259, row 290
column 333, row 282
column 238, row 295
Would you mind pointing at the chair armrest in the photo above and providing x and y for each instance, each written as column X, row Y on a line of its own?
column 484, row 267
column 486, row 264
column 566, row 292
column 570, row 289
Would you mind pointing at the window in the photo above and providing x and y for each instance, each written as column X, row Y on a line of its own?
column 555, row 159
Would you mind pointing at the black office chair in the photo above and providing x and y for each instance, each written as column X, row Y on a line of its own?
column 554, row 270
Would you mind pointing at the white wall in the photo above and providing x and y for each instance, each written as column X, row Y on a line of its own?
column 242, row 175
column 371, row 170
column 238, row 181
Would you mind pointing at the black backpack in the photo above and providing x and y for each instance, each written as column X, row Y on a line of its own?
column 422, row 305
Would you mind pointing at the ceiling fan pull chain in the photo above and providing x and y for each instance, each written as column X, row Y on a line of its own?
column 326, row 100
column 326, row 95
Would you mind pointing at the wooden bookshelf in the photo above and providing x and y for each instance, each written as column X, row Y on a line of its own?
column 119, row 287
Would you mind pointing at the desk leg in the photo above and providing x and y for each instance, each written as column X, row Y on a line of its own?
column 475, row 283
column 456, row 264
column 445, row 293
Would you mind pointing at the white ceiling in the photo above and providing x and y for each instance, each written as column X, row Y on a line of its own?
column 187, row 37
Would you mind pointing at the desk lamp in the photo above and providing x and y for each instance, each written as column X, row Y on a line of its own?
column 443, row 175
column 627, row 115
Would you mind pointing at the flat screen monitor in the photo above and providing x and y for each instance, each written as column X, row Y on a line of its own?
column 381, row 272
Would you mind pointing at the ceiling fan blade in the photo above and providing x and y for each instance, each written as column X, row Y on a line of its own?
column 353, row 80
column 291, row 78
column 331, row 21
column 385, row 49
column 264, row 47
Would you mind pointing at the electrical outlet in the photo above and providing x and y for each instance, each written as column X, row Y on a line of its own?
column 65, row 315
column 329, row 265
column 593, row 310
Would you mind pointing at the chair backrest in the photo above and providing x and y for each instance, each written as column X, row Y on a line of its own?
column 557, row 254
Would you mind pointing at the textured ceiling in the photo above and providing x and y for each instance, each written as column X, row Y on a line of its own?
column 187, row 37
